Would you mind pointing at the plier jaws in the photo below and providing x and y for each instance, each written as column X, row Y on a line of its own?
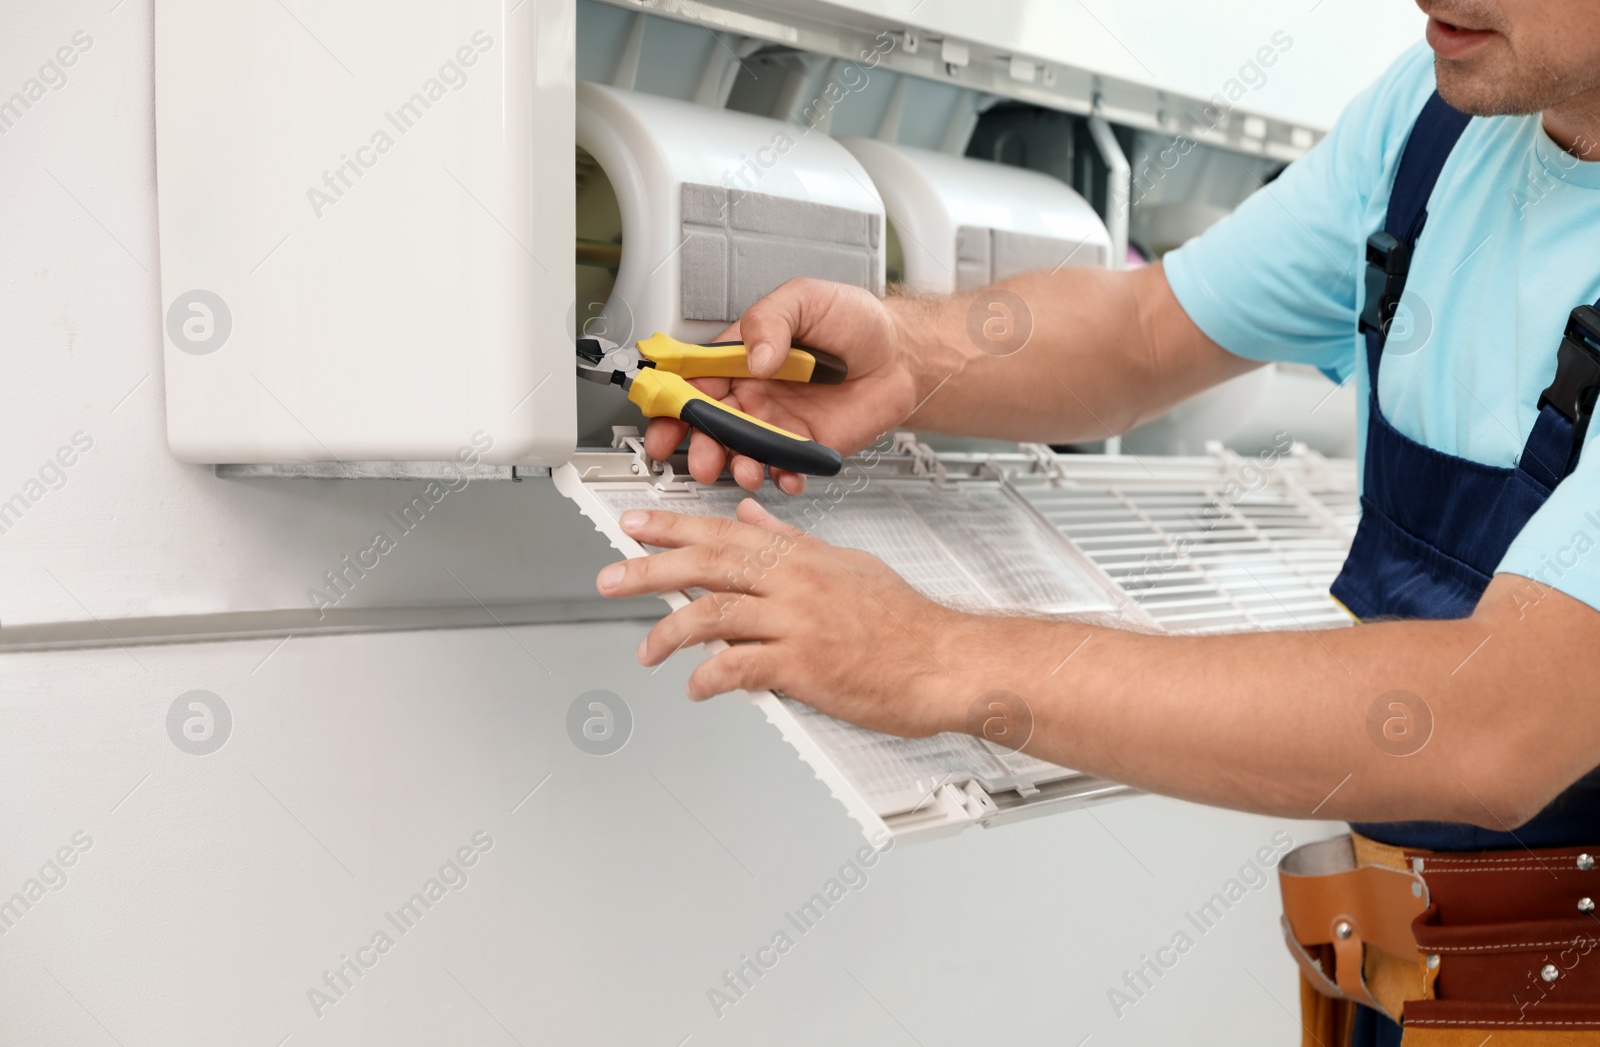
column 606, row 362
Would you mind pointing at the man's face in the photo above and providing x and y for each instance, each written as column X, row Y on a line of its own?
column 1495, row 57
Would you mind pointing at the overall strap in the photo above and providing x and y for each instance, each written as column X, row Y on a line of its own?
column 1434, row 134
column 1553, row 446
column 1556, row 440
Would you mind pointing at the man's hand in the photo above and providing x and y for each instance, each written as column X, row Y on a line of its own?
column 1104, row 351
column 846, row 321
column 834, row 628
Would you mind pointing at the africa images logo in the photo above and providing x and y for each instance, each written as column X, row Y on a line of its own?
column 199, row 722
column 199, row 322
column 599, row 722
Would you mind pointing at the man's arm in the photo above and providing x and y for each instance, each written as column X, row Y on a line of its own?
column 1290, row 723
column 1104, row 351
column 1481, row 720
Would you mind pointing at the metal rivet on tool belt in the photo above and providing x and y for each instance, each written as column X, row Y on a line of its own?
column 1586, row 862
column 1416, row 865
column 1342, row 929
column 1416, row 890
column 1433, row 960
column 1586, row 905
column 1549, row 972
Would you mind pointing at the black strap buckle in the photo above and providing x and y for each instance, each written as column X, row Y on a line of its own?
column 1577, row 370
column 1388, row 262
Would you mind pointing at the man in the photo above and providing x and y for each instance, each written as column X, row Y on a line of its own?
column 1476, row 567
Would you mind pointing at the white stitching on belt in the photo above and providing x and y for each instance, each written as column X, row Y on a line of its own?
column 1431, row 871
column 1447, row 860
column 1475, row 1024
column 1512, row 945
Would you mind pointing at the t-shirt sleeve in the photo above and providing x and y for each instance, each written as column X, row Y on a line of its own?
column 1560, row 546
column 1277, row 279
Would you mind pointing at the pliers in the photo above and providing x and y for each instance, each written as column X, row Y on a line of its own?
column 656, row 370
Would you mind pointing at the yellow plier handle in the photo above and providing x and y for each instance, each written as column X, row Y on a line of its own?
column 729, row 360
column 663, row 391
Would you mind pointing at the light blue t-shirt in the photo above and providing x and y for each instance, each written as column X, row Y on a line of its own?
column 1512, row 244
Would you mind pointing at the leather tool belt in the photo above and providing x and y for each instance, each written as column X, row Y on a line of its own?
column 1497, row 941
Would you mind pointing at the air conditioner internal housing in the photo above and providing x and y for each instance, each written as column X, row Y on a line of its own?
column 369, row 257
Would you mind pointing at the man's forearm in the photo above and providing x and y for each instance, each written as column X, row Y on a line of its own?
column 1103, row 351
column 1481, row 720
column 1328, row 723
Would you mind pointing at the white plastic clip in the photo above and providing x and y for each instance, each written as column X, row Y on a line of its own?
column 661, row 474
column 964, row 803
column 924, row 460
column 1045, row 461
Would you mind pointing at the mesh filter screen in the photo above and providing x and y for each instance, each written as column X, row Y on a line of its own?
column 968, row 544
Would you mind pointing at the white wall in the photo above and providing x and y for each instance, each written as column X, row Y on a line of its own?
column 218, row 888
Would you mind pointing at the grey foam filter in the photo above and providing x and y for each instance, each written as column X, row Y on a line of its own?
column 986, row 255
column 739, row 246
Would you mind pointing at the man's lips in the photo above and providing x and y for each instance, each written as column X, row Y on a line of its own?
column 1453, row 41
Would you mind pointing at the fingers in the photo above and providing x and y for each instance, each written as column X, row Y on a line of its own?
column 717, row 554
column 717, row 568
column 706, row 457
column 753, row 512
column 715, row 616
column 675, row 530
column 742, row 667
column 662, row 436
column 789, row 483
column 768, row 327
column 747, row 471
column 848, row 321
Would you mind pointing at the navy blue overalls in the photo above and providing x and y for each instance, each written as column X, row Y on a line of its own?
column 1434, row 526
